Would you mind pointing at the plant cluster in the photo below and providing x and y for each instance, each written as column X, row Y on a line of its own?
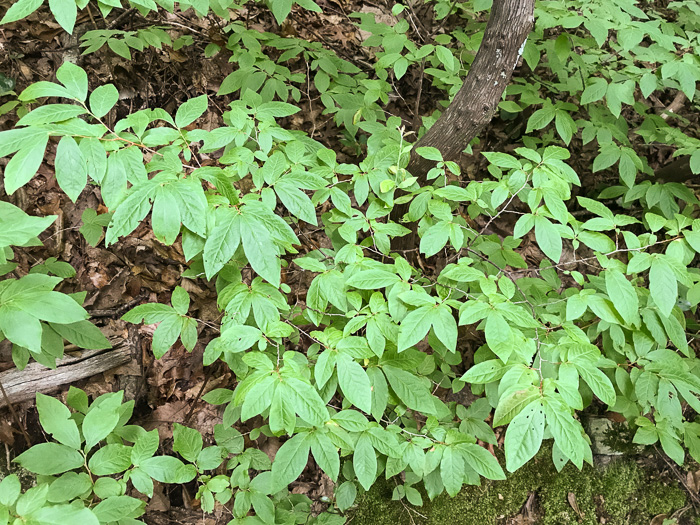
column 604, row 319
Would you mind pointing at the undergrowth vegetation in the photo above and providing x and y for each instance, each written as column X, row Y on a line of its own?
column 357, row 372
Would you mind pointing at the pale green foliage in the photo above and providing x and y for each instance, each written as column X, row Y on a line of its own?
column 362, row 398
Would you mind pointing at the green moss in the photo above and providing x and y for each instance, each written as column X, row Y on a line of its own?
column 477, row 505
column 660, row 498
column 622, row 493
column 621, row 483
column 557, row 504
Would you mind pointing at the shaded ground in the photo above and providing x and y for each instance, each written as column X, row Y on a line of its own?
column 139, row 269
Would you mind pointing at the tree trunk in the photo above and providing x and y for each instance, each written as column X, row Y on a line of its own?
column 676, row 171
column 509, row 24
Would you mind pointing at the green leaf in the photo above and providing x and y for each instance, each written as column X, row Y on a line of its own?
column 257, row 242
column 473, row 311
column 514, row 403
column 192, row 204
column 372, row 279
column 187, row 442
column 130, row 212
column 566, row 430
column 609, row 155
column 524, row 436
column 351, row 420
column 415, row 326
column 74, row 78
column 53, row 307
column 409, row 389
column 499, row 336
column 623, row 295
column 452, row 470
column 485, row 372
column 10, row 489
column 101, row 419
column 663, row 286
column 95, row 157
column 259, row 397
column 180, row 300
column 61, row 514
column 165, row 217
column 502, row 160
column 307, row 403
column 354, row 382
column 325, row 454
column 345, row 495
column 145, row 446
column 222, row 242
column 68, row 487
column 364, row 461
column 18, row 228
column 20, row 9
column 110, row 459
column 49, row 459
column 21, row 328
column 166, row 334
column 296, row 201
column 290, row 460
column 445, row 327
column 435, row 238
column 190, row 111
column 44, row 89
column 693, row 238
column 594, row 91
column 103, row 99
column 120, row 48
column 114, row 186
column 116, row 508
column 482, row 461
column 24, row 165
column 168, row 469
column 54, row 417
column 541, row 117
column 32, row 500
column 548, row 238
column 647, row 84
column 446, row 57
column 65, row 12
column 431, row 153
column 695, row 161
column 599, row 383
column 71, row 168
column 83, row 334
column 51, row 113
column 565, row 126
column 263, row 506
column 280, row 9
column 282, row 416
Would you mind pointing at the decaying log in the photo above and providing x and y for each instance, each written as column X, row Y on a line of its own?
column 21, row 385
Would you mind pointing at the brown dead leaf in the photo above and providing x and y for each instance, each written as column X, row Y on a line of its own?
column 658, row 519
column 571, row 498
column 7, row 434
column 159, row 502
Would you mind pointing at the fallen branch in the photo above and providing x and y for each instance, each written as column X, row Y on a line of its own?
column 21, row 385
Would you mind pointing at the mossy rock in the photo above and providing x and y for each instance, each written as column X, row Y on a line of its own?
column 622, row 493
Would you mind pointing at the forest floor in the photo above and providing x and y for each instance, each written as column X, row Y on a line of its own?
column 139, row 269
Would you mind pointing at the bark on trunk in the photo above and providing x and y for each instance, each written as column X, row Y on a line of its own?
column 509, row 24
column 677, row 171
